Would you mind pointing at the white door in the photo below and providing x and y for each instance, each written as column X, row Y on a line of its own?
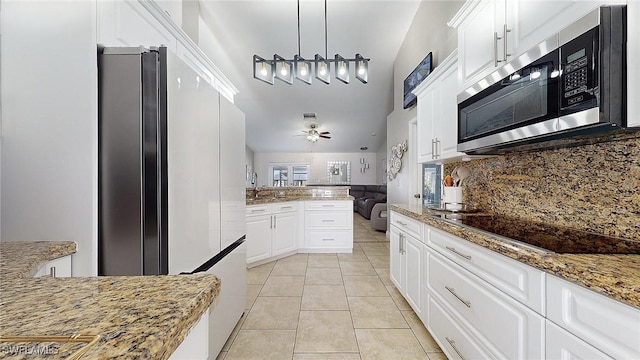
column 258, row 237
column 284, row 233
column 413, row 271
column 396, row 258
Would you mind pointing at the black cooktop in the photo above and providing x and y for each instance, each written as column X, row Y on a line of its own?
column 558, row 239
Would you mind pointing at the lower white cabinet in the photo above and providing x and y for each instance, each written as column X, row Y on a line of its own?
column 195, row 345
column 562, row 345
column 328, row 226
column 450, row 335
column 405, row 260
column 505, row 327
column 608, row 325
column 271, row 230
column 60, row 267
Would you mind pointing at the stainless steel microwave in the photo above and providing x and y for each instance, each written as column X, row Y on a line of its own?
column 574, row 83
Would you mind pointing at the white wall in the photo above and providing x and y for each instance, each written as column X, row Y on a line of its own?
column 428, row 33
column 49, row 125
column 318, row 163
column 381, row 155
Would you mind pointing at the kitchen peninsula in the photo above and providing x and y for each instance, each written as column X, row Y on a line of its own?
column 132, row 316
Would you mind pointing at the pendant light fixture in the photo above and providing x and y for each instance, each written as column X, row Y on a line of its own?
column 301, row 69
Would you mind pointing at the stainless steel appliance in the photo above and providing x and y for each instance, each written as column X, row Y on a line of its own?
column 571, row 84
column 133, row 180
column 171, row 177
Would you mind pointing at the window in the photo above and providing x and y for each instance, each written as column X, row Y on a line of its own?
column 279, row 174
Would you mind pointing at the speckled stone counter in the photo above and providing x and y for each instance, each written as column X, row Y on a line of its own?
column 268, row 195
column 616, row 276
column 137, row 317
column 22, row 259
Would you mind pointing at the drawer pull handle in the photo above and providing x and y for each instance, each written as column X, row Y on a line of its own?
column 453, row 250
column 328, row 239
column 52, row 271
column 401, row 223
column 328, row 220
column 327, row 205
column 455, row 348
column 467, row 303
column 258, row 210
column 287, row 207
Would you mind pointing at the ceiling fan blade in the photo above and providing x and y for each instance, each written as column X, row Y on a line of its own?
column 325, row 136
column 325, row 133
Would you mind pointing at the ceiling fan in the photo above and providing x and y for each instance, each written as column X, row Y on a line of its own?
column 313, row 134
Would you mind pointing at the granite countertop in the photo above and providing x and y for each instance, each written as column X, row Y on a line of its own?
column 273, row 200
column 616, row 276
column 135, row 316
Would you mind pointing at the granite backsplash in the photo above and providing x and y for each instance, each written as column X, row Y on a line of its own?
column 594, row 187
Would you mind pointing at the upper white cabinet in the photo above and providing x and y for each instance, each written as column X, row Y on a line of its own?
column 438, row 113
column 633, row 72
column 60, row 267
column 493, row 32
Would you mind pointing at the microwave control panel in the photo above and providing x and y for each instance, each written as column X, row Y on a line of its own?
column 579, row 76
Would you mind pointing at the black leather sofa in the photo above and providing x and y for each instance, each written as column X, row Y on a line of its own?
column 366, row 196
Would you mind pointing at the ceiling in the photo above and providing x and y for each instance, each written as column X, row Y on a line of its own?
column 274, row 113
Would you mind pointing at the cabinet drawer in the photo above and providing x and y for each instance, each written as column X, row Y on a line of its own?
column 258, row 210
column 327, row 239
column 563, row 345
column 326, row 220
column 407, row 225
column 505, row 327
column 451, row 336
column 520, row 281
column 606, row 324
column 284, row 207
column 328, row 205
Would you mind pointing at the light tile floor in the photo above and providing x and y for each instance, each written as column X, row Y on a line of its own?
column 330, row 306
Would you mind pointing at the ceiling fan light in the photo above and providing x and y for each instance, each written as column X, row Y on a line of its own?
column 285, row 72
column 363, row 69
column 302, row 69
column 323, row 69
column 342, row 71
column 263, row 70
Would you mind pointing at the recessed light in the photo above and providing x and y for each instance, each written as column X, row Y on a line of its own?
column 373, row 134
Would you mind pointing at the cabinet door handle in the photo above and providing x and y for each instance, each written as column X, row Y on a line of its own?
column 271, row 222
column 275, row 221
column 455, row 348
column 438, row 149
column 453, row 250
column 401, row 243
column 433, row 151
column 495, row 49
column 52, row 271
column 504, row 36
column 467, row 303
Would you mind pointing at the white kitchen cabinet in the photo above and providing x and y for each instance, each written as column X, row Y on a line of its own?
column 505, row 327
column 493, row 32
column 522, row 282
column 479, row 24
column 608, row 325
column 60, row 267
column 560, row 344
column 405, row 260
column 258, row 236
column 328, row 226
column 195, row 345
column 454, row 341
column 437, row 111
column 284, row 229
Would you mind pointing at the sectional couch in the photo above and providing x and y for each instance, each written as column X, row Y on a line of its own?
column 366, row 196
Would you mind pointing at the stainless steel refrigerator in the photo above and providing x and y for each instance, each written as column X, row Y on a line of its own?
column 171, row 177
column 132, row 171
